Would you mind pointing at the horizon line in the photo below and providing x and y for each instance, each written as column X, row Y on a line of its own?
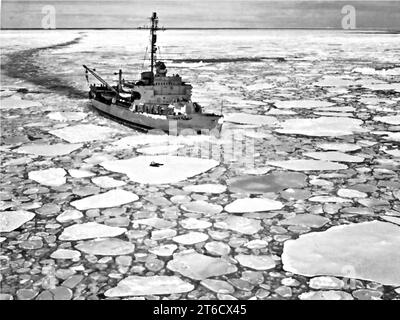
column 211, row 28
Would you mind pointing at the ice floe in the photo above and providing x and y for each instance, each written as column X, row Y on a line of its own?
column 218, row 286
column 198, row 266
column 272, row 182
column 15, row 140
column 83, row 133
column 380, row 72
column 109, row 199
column 192, row 223
column 326, row 283
column 351, row 193
column 334, row 156
column 66, row 254
column 150, row 285
column 90, row 230
column 337, row 146
column 302, row 104
column 206, row 188
column 393, row 136
column 190, row 238
column 322, row 127
column 256, row 171
column 16, row 102
column 165, row 250
column 163, row 149
column 160, row 140
column 168, row 169
column 256, row 262
column 339, row 108
column 17, row 161
column 393, row 120
column 253, row 205
column 5, row 93
column 155, row 222
column 67, row 116
column 308, row 220
column 307, row 165
column 334, row 81
column 69, row 215
column 367, row 251
column 143, row 139
column 295, row 194
column 375, row 101
column 256, row 244
column 255, row 119
column 326, row 295
column 333, row 114
column 393, row 152
column 11, row 220
column 163, row 234
column 259, row 86
column 395, row 220
column 328, row 199
column 383, row 86
column 256, row 135
column 49, row 150
column 201, row 206
column 279, row 112
column 106, row 247
column 107, row 182
column 217, row 248
column 52, row 177
column 368, row 83
column 239, row 224
column 78, row 173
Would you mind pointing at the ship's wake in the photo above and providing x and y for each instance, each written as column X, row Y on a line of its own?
column 25, row 65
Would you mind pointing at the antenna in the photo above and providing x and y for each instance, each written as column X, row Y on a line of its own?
column 153, row 39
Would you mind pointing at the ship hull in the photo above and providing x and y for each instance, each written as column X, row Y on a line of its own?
column 146, row 122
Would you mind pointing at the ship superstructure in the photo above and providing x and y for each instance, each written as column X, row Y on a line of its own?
column 155, row 100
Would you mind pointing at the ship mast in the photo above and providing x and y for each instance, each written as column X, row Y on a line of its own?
column 153, row 39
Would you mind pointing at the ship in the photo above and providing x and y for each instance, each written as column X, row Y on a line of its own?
column 156, row 101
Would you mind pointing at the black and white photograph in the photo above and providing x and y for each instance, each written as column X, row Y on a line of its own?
column 214, row 152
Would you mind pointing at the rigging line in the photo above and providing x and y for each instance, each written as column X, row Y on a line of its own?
column 144, row 58
column 150, row 39
column 159, row 53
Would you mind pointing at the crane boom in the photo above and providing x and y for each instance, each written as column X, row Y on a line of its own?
column 101, row 80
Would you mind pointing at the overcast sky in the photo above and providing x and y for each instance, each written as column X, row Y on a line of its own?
column 377, row 14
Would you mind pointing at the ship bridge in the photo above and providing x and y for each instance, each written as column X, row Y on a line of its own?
column 160, row 88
